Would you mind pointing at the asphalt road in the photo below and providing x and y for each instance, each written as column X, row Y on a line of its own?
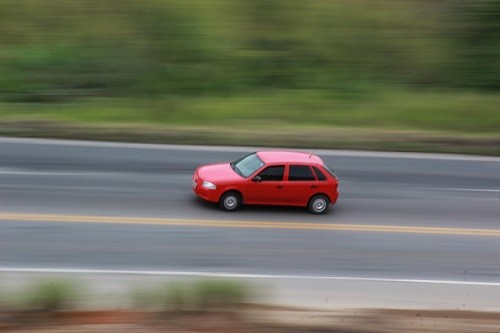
column 440, row 215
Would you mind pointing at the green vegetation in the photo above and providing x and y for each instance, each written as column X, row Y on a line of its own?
column 53, row 295
column 410, row 67
column 202, row 295
column 50, row 295
column 219, row 294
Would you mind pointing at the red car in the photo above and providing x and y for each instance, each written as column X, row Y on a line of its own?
column 269, row 178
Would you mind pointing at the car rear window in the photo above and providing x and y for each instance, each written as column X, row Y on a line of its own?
column 319, row 174
column 330, row 171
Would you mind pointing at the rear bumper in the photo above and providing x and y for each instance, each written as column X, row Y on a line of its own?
column 334, row 198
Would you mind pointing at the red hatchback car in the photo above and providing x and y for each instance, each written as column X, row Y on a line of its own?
column 269, row 178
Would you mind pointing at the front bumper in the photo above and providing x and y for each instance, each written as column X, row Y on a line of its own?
column 208, row 195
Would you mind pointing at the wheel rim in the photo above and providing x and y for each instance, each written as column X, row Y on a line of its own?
column 230, row 202
column 319, row 205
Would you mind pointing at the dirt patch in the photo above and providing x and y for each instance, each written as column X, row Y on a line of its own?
column 253, row 319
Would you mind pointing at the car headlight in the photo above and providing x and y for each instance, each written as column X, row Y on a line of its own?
column 209, row 185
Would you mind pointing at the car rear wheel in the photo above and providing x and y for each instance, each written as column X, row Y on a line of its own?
column 318, row 204
column 230, row 201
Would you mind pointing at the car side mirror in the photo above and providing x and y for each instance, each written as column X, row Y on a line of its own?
column 256, row 179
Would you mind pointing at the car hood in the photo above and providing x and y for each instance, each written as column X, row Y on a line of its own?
column 218, row 173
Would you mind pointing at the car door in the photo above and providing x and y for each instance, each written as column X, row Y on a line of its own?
column 267, row 186
column 301, row 184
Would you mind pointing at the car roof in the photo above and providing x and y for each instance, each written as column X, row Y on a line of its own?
column 281, row 156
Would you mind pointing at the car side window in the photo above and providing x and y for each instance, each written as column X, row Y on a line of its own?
column 272, row 173
column 319, row 174
column 300, row 173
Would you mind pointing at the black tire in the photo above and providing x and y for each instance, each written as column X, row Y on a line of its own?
column 230, row 201
column 318, row 204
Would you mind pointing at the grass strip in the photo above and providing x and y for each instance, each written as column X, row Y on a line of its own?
column 286, row 137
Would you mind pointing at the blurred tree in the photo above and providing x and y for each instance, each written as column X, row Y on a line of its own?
column 56, row 50
column 271, row 42
column 477, row 44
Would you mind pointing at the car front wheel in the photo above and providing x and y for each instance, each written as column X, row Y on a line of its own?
column 230, row 201
column 318, row 204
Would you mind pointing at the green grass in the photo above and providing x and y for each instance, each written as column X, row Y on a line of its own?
column 202, row 295
column 435, row 111
column 50, row 295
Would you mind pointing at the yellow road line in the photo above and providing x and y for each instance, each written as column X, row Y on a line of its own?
column 246, row 224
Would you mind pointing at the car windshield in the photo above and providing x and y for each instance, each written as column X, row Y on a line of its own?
column 247, row 165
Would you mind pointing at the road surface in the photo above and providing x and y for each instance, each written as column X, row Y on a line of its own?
column 402, row 221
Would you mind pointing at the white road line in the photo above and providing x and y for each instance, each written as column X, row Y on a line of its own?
column 99, row 173
column 461, row 189
column 236, row 275
column 44, row 173
column 321, row 152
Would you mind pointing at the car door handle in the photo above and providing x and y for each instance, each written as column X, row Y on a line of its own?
column 279, row 186
column 314, row 186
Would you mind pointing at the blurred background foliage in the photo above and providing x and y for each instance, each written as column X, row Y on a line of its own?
column 430, row 64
